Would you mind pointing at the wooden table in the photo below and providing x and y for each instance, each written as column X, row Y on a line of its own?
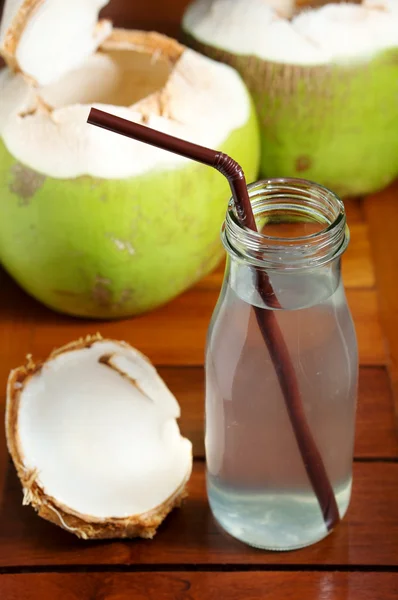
column 191, row 558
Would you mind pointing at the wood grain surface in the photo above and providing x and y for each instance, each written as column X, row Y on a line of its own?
column 186, row 320
column 367, row 536
column 191, row 558
column 174, row 338
column 207, row 586
column 375, row 431
column 382, row 215
column 153, row 15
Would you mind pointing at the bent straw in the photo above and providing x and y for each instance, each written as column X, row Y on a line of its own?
column 266, row 319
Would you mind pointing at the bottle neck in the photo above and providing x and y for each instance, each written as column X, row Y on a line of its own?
column 301, row 226
column 301, row 236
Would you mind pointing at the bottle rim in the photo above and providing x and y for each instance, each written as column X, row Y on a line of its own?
column 294, row 199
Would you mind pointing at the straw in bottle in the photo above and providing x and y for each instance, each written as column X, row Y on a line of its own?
column 266, row 320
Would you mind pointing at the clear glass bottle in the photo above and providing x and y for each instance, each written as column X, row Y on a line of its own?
column 258, row 487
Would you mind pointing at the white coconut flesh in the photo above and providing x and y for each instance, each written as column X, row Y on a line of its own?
column 46, row 38
column 143, row 77
column 276, row 32
column 95, row 428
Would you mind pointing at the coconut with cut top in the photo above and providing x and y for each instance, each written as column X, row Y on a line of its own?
column 93, row 224
column 92, row 432
column 324, row 77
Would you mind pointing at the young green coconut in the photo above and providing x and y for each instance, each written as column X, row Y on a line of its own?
column 93, row 435
column 324, row 80
column 93, row 224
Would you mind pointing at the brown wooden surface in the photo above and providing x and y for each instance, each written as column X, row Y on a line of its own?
column 207, row 586
column 381, row 212
column 189, row 315
column 367, row 536
column 191, row 558
column 174, row 337
column 375, row 431
column 152, row 15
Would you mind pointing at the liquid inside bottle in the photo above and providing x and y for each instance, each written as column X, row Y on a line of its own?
column 258, row 487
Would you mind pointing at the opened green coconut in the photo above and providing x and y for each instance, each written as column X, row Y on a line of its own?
column 94, row 224
column 324, row 80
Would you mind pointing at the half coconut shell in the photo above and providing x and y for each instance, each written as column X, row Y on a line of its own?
column 38, row 427
column 46, row 38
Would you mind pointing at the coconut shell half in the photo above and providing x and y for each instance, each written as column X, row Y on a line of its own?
column 46, row 38
column 95, row 426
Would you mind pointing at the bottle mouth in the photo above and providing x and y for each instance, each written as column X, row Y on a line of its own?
column 300, row 224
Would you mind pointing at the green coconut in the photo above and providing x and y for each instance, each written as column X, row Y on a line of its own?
column 324, row 82
column 96, row 225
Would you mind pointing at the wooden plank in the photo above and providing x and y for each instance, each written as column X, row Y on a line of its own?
column 376, row 434
column 206, row 586
column 172, row 335
column 152, row 14
column 367, row 536
column 187, row 384
column 15, row 337
column 375, row 431
column 358, row 270
column 364, row 308
column 382, row 216
column 354, row 210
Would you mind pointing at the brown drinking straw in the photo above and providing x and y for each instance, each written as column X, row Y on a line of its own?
column 267, row 322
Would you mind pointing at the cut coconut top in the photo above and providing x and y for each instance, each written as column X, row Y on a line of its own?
column 95, row 429
column 273, row 31
column 46, row 38
column 143, row 77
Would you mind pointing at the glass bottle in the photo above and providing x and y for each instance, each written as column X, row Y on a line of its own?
column 258, row 485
